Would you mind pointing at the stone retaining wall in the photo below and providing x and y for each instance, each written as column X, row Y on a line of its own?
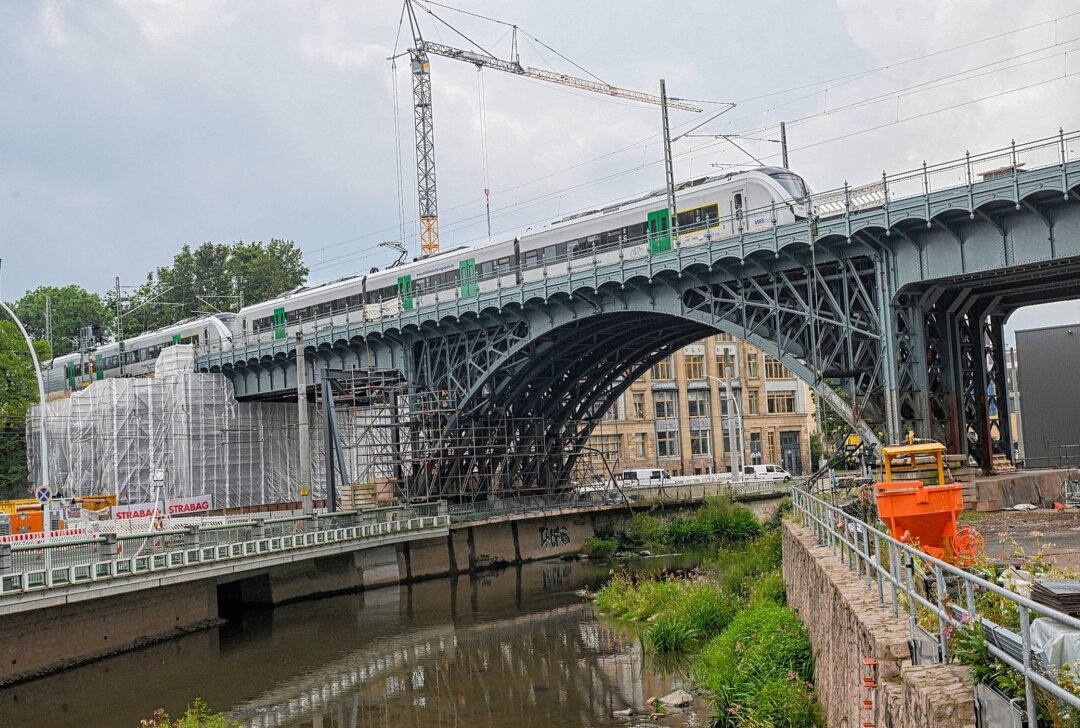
column 847, row 624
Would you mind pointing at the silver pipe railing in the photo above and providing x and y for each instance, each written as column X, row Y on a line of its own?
column 860, row 547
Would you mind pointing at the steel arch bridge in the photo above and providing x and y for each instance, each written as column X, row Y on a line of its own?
column 889, row 303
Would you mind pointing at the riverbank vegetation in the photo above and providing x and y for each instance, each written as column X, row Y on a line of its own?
column 197, row 715
column 748, row 651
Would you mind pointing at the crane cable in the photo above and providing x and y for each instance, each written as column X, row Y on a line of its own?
column 484, row 147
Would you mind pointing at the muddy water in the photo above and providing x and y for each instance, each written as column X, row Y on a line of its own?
column 506, row 649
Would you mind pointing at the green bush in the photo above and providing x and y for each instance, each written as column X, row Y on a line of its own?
column 764, row 643
column 197, row 715
column 769, row 588
column 622, row 599
column 706, row 610
column 785, row 703
column 670, row 632
column 598, row 547
column 739, row 566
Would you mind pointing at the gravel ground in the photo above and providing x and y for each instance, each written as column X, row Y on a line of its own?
column 1056, row 533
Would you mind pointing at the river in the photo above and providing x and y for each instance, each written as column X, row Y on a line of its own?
column 503, row 649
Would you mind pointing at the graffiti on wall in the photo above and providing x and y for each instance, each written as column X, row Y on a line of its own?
column 553, row 538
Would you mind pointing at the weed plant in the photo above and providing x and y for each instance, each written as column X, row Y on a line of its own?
column 746, row 648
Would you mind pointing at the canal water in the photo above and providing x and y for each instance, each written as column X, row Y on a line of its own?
column 503, row 649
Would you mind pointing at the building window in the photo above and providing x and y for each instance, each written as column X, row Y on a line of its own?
column 612, row 411
column 725, row 365
column 665, row 405
column 639, row 405
column 781, row 403
column 610, row 446
column 700, row 442
column 752, row 365
column 775, row 370
column 753, row 402
column 639, row 444
column 663, row 369
column 725, row 338
column 771, row 439
column 695, row 366
column 667, row 444
column 697, row 402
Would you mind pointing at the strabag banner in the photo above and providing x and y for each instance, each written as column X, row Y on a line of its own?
column 174, row 507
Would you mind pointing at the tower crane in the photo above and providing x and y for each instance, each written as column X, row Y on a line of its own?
column 424, row 129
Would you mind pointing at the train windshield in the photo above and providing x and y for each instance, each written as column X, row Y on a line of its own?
column 791, row 182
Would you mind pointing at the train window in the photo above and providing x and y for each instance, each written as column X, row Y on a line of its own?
column 793, row 183
column 738, row 201
column 698, row 219
column 503, row 264
column 324, row 309
column 533, row 258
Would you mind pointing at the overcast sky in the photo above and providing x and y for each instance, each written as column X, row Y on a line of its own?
column 129, row 128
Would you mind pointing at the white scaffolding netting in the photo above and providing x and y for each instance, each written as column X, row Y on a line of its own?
column 114, row 435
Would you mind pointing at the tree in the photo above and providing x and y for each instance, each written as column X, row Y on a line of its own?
column 18, row 391
column 72, row 308
column 213, row 277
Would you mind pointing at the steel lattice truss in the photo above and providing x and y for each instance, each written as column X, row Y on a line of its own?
column 512, row 401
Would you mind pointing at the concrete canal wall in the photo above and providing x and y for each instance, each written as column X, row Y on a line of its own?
column 847, row 624
column 79, row 626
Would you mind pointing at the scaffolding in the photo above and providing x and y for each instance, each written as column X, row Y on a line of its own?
column 416, row 445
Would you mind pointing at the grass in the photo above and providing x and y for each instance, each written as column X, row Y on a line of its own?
column 747, row 650
column 717, row 521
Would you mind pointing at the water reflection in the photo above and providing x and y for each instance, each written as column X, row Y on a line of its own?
column 511, row 648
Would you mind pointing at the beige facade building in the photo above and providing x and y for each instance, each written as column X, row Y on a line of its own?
column 676, row 416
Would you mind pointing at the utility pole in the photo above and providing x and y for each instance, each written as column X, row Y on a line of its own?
column 308, row 503
column 669, row 169
column 120, row 326
column 783, row 144
column 48, row 324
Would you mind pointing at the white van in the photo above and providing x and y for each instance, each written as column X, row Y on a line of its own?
column 766, row 472
column 645, row 478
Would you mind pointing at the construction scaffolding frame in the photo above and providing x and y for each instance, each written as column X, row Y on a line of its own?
column 415, row 445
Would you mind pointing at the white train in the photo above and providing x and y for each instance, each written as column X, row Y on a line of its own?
column 135, row 357
column 708, row 208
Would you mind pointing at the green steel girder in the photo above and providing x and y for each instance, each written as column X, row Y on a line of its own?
column 894, row 306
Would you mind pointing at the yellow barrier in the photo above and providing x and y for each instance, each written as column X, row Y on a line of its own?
column 9, row 506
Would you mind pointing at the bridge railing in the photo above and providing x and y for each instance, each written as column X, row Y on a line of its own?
column 584, row 498
column 1009, row 163
column 34, row 567
column 938, row 598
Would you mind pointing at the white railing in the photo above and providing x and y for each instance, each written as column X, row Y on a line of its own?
column 927, row 589
column 32, row 568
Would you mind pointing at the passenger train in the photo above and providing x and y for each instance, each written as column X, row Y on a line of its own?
column 709, row 208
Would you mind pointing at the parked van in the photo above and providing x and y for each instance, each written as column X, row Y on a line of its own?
column 645, row 478
column 766, row 472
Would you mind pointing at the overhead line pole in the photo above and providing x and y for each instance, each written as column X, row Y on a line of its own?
column 669, row 168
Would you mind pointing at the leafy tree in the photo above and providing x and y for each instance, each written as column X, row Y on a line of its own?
column 213, row 277
column 72, row 308
column 18, row 391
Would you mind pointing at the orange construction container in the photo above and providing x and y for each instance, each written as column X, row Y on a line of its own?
column 926, row 516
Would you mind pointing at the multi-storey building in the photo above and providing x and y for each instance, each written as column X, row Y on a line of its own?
column 676, row 415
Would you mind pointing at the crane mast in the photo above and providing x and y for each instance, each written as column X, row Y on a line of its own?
column 424, row 125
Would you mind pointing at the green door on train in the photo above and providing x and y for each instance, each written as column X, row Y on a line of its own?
column 405, row 291
column 659, row 231
column 279, row 323
column 467, row 277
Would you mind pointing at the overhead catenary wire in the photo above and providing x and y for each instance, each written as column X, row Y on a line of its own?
column 803, row 119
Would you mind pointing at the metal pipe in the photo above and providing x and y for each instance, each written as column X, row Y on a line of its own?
column 307, row 500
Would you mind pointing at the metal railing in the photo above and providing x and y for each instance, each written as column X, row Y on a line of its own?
column 587, row 497
column 930, row 590
column 1006, row 165
column 36, row 567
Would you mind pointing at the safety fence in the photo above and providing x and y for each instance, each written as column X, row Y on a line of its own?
column 27, row 568
column 938, row 599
